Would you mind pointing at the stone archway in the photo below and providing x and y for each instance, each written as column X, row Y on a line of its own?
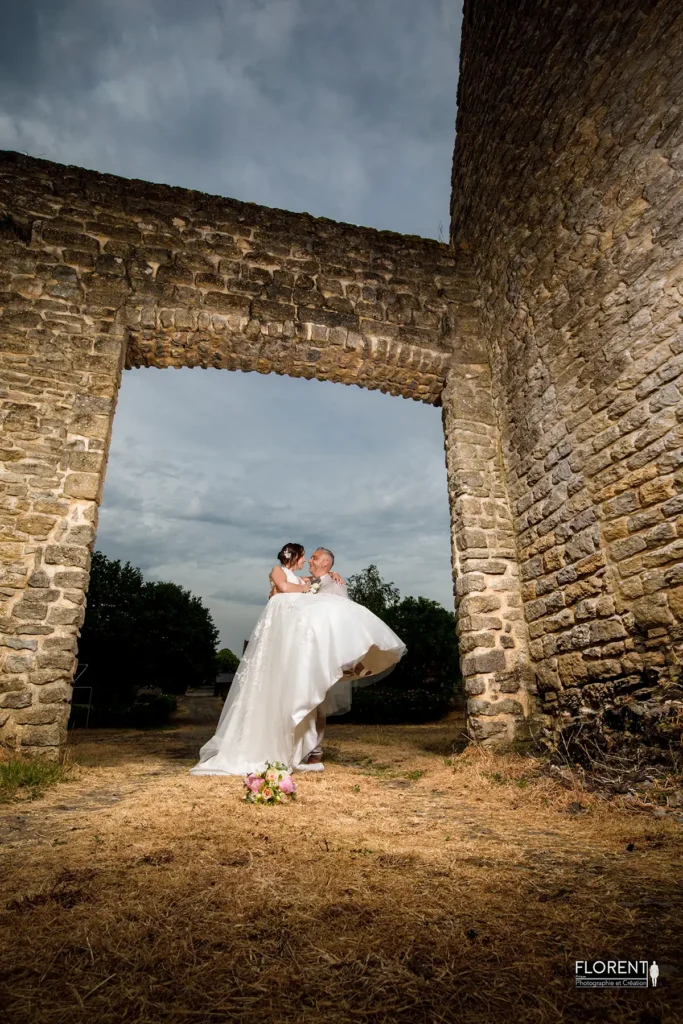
column 100, row 273
column 550, row 332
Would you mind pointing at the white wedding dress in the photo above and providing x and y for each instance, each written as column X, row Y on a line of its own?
column 305, row 651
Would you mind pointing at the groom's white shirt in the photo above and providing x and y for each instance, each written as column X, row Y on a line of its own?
column 328, row 586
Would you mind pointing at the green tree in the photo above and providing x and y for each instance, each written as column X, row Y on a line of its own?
column 180, row 639
column 226, row 661
column 369, row 589
column 423, row 684
column 139, row 635
column 428, row 631
column 110, row 637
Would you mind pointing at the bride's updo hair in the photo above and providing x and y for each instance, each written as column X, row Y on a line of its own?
column 290, row 554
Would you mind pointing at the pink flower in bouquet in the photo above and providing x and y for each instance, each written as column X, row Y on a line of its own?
column 272, row 775
column 287, row 785
column 254, row 783
column 267, row 793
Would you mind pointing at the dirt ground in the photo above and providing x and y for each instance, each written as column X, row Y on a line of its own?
column 411, row 881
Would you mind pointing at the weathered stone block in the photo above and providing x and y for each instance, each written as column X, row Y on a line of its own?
column 466, row 623
column 11, row 683
column 75, row 579
column 656, row 490
column 479, row 604
column 36, row 525
column 55, row 694
column 609, row 668
column 66, row 616
column 489, row 661
column 29, row 611
column 652, row 611
column 39, row 579
column 86, row 462
column 19, row 643
column 67, row 554
column 469, row 582
column 80, row 535
column 40, row 677
column 60, row 643
column 533, row 568
column 548, row 679
column 41, row 736
column 37, row 716
column 470, row 641
column 54, row 659
column 572, row 669
column 583, row 590
column 607, row 629
column 17, row 699
column 535, row 610
column 16, row 664
column 621, row 505
column 485, row 730
column 82, row 485
column 471, row 538
column 505, row 706
column 675, row 599
column 509, row 684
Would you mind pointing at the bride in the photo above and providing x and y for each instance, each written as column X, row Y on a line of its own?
column 302, row 657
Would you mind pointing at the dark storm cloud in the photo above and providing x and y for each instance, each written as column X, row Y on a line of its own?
column 208, row 503
column 310, row 105
column 344, row 109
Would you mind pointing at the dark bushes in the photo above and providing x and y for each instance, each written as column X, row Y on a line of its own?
column 386, row 705
column 148, row 708
column 142, row 642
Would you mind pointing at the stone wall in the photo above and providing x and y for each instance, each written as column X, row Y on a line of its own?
column 493, row 636
column 198, row 280
column 568, row 194
column 550, row 331
column 98, row 273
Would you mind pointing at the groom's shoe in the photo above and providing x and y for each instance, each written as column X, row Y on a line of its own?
column 314, row 759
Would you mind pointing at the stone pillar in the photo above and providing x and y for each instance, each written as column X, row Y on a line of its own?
column 490, row 623
column 59, row 377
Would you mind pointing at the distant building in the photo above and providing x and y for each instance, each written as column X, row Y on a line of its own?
column 222, row 684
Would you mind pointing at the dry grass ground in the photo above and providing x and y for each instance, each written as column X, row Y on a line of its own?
column 403, row 886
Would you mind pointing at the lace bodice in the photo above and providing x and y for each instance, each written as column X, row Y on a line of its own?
column 292, row 577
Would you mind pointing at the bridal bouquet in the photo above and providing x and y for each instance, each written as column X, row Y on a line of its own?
column 271, row 786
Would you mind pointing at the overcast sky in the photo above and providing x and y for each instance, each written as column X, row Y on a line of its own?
column 340, row 108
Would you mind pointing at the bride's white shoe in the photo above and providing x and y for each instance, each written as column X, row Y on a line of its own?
column 317, row 766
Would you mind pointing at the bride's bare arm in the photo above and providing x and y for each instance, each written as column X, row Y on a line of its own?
column 337, row 578
column 282, row 585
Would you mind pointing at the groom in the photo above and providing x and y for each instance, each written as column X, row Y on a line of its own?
column 320, row 563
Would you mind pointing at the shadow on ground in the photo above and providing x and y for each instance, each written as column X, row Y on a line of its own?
column 402, row 886
column 194, row 724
